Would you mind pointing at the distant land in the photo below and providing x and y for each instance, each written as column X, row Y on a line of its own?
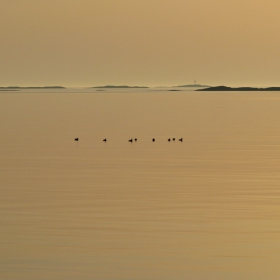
column 193, row 85
column 17, row 88
column 174, row 90
column 9, row 89
column 225, row 88
column 109, row 86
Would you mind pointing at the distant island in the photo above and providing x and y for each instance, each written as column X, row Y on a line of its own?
column 225, row 88
column 18, row 88
column 192, row 85
column 109, row 86
column 174, row 90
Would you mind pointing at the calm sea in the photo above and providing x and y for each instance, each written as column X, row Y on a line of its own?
column 205, row 208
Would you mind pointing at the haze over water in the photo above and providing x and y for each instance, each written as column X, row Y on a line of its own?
column 206, row 208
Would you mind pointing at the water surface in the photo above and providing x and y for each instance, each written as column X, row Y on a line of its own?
column 207, row 208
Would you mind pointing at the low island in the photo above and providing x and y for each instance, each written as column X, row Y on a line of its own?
column 19, row 88
column 110, row 86
column 193, row 85
column 225, row 88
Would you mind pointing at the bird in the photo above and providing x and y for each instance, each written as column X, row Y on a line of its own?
column 181, row 139
column 173, row 139
column 130, row 140
column 153, row 139
column 135, row 139
column 105, row 140
column 76, row 139
column 168, row 140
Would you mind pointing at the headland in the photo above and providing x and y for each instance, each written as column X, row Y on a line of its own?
column 225, row 88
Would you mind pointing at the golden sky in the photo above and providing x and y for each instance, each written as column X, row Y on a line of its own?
column 139, row 42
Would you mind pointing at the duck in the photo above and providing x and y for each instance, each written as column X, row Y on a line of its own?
column 105, row 140
column 130, row 140
column 153, row 139
column 76, row 139
column 181, row 139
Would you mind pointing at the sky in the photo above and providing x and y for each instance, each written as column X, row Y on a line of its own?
column 139, row 42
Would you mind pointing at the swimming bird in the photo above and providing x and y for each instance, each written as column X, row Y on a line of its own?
column 135, row 139
column 173, row 139
column 130, row 140
column 181, row 139
column 168, row 140
column 76, row 139
column 153, row 139
column 105, row 140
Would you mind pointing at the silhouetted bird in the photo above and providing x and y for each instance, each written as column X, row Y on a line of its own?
column 173, row 139
column 135, row 139
column 168, row 140
column 181, row 139
column 153, row 139
column 130, row 140
column 76, row 139
column 105, row 140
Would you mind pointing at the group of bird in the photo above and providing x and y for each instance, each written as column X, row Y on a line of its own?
column 135, row 140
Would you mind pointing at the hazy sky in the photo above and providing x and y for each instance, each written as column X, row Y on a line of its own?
column 139, row 42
